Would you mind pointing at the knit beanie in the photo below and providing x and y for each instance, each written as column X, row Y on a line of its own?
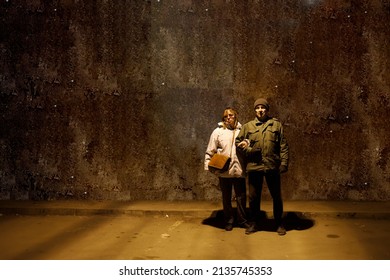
column 261, row 101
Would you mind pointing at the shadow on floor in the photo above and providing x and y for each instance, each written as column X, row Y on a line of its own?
column 291, row 221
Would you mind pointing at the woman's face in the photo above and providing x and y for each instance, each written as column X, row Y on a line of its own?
column 229, row 118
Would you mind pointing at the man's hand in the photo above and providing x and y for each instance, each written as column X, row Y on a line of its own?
column 282, row 169
column 243, row 144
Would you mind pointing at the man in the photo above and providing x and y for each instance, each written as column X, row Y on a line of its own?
column 266, row 149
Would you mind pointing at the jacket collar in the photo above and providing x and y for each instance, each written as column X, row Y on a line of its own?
column 220, row 125
column 269, row 121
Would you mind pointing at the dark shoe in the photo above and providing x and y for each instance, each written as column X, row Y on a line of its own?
column 229, row 227
column 245, row 225
column 281, row 230
column 251, row 229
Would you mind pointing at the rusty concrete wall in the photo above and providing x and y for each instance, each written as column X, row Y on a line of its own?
column 117, row 99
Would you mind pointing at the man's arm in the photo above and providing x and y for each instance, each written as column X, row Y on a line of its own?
column 283, row 151
column 241, row 141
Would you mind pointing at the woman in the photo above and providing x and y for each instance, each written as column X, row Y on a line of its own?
column 222, row 141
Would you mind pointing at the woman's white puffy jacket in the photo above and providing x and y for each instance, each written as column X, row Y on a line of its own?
column 220, row 142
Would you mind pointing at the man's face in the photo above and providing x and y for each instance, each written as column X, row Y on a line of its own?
column 261, row 112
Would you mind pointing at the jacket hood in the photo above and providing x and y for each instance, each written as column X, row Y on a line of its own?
column 220, row 125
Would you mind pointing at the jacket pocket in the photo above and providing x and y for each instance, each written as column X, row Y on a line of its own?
column 271, row 135
column 253, row 135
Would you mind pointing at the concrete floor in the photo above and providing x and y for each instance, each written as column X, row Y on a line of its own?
column 156, row 237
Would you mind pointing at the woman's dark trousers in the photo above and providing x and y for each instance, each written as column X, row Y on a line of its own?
column 239, row 186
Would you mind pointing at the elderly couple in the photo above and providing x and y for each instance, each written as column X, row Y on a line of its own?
column 257, row 149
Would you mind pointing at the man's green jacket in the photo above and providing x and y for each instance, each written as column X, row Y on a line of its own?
column 267, row 149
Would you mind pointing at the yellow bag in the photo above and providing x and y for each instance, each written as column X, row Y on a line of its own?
column 219, row 163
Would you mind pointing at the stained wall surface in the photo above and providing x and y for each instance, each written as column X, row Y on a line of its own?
column 117, row 99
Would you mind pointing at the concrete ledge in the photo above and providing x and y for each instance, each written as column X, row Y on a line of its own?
column 199, row 209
